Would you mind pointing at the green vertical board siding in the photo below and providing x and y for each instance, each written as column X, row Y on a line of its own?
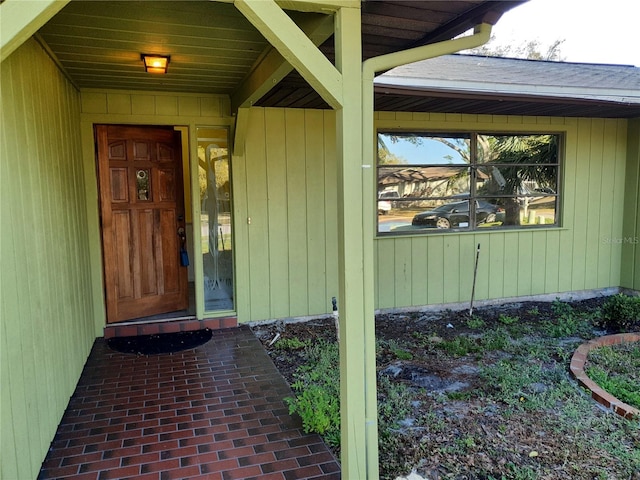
column 482, row 274
column 467, row 256
column 594, row 192
column 241, row 237
column 451, row 273
column 289, row 184
column 403, row 266
column 276, row 201
column 296, row 208
column 330, row 205
column 316, row 210
column 290, row 162
column 494, row 251
column 257, row 217
column 630, row 272
column 434, row 286
column 45, row 282
column 527, row 262
column 386, row 274
column 581, row 199
column 511, row 265
column 551, row 261
column 419, row 272
column 611, row 181
column 538, row 264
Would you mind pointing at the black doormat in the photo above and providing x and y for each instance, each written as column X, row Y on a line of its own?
column 160, row 343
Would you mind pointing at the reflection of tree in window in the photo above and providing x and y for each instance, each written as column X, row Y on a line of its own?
column 531, row 159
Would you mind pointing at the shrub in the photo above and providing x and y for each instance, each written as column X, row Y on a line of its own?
column 621, row 313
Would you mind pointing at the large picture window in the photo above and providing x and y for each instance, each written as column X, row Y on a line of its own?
column 434, row 182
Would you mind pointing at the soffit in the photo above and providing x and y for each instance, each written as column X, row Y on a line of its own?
column 213, row 48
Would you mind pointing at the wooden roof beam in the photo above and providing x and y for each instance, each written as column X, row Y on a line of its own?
column 295, row 47
column 272, row 67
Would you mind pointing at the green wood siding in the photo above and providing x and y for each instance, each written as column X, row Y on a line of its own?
column 630, row 272
column 286, row 183
column 286, row 210
column 46, row 307
column 585, row 253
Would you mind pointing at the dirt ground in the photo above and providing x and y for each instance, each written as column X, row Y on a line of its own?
column 480, row 412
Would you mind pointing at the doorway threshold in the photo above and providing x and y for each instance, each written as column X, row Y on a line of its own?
column 150, row 326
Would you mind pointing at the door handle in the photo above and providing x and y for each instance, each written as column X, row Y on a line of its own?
column 184, row 256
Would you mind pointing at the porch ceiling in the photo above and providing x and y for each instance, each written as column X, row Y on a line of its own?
column 214, row 49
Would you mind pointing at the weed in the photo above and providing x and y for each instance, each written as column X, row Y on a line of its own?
column 533, row 311
column 497, row 339
column 466, row 443
column 621, row 359
column 507, row 319
column 475, row 322
column 560, row 308
column 568, row 323
column 460, row 395
column 396, row 349
column 460, row 346
column 317, row 398
column 318, row 408
column 517, row 472
column 293, row 343
column 394, row 402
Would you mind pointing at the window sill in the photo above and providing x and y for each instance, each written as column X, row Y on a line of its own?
column 436, row 232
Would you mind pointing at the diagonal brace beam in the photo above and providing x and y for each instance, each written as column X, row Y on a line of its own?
column 282, row 32
column 272, row 67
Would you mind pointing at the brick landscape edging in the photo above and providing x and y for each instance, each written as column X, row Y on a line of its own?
column 597, row 393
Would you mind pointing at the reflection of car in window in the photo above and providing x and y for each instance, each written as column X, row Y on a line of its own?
column 389, row 194
column 457, row 214
column 384, row 205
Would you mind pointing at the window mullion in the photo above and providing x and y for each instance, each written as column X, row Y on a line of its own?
column 473, row 150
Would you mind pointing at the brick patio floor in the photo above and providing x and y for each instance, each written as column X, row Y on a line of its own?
column 214, row 412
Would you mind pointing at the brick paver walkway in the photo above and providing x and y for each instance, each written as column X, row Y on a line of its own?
column 213, row 412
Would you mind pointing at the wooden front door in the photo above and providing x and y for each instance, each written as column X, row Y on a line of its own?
column 142, row 214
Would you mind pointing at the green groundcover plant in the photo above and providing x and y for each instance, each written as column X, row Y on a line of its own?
column 518, row 416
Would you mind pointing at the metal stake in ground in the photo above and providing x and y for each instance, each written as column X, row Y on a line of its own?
column 473, row 288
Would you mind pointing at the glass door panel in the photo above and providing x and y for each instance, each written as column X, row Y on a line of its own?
column 214, row 175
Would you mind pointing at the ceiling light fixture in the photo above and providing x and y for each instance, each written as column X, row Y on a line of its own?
column 155, row 63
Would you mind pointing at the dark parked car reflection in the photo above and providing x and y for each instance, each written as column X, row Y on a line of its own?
column 456, row 214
